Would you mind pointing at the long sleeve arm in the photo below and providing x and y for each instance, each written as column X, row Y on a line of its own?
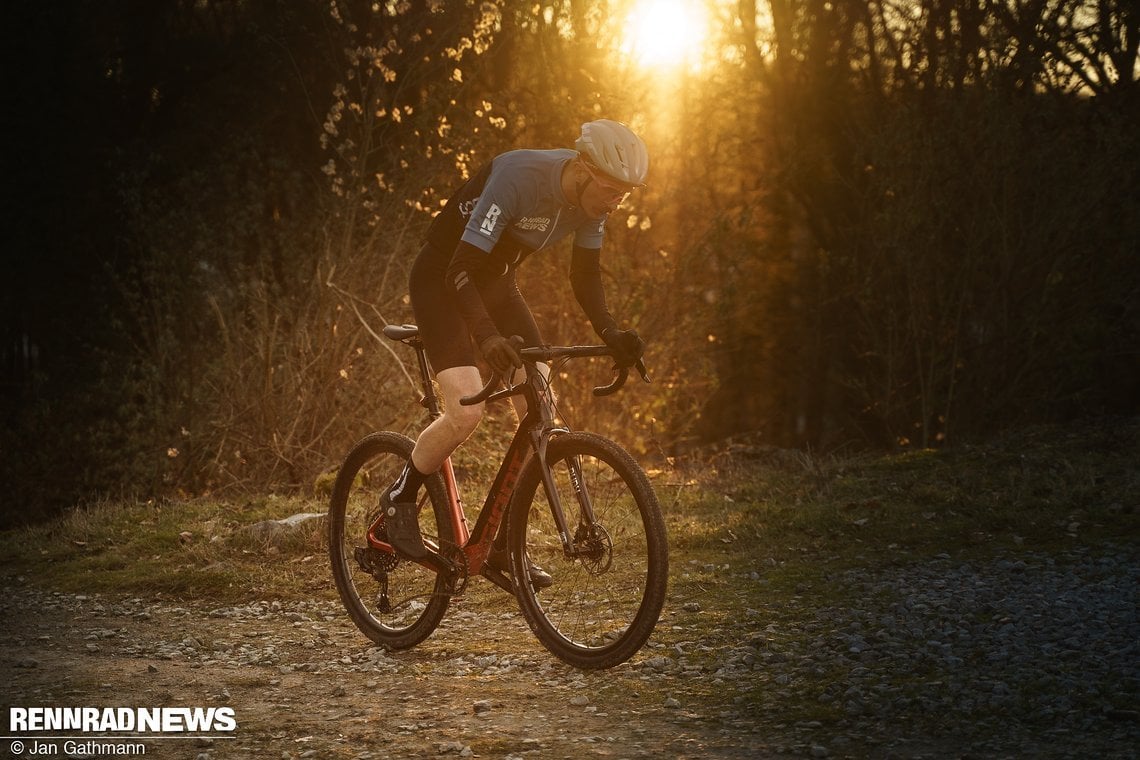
column 464, row 262
column 586, row 280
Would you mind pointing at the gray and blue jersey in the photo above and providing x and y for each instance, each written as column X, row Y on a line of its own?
column 513, row 207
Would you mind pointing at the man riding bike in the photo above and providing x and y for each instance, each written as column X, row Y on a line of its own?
column 463, row 285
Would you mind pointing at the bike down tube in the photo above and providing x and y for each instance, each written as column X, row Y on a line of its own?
column 482, row 536
column 527, row 437
column 539, row 426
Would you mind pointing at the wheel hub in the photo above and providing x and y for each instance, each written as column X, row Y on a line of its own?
column 595, row 548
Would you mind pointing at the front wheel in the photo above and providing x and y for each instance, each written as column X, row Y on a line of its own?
column 396, row 603
column 608, row 593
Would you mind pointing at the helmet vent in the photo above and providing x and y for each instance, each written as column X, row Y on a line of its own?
column 615, row 149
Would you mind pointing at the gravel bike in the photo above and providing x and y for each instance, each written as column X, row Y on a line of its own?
column 573, row 503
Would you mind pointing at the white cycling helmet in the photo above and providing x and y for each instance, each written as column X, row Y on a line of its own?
column 615, row 150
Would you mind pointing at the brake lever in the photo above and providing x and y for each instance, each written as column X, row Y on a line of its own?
column 641, row 370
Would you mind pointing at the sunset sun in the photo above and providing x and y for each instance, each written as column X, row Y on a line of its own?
column 665, row 33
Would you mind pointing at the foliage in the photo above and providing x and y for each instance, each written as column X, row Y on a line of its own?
column 954, row 192
column 895, row 224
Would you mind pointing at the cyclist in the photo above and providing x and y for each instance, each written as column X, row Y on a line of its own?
column 463, row 285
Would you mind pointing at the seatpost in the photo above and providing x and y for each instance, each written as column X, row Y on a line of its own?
column 430, row 401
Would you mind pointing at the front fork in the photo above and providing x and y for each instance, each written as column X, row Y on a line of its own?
column 577, row 484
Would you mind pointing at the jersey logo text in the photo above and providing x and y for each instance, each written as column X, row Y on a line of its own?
column 533, row 223
column 490, row 220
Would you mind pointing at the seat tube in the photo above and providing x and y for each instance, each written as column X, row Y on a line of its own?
column 454, row 505
column 430, row 401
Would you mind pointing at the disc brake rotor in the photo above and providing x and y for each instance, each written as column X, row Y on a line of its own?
column 596, row 548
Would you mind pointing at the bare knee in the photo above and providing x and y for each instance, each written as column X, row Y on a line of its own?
column 461, row 422
column 458, row 420
column 442, row 436
column 456, row 424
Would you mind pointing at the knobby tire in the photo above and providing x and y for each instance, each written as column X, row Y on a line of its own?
column 602, row 608
column 419, row 595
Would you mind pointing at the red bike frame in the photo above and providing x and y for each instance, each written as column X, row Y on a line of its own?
column 533, row 433
column 475, row 543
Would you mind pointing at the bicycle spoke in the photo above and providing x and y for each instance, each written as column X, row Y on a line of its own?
column 608, row 592
column 370, row 579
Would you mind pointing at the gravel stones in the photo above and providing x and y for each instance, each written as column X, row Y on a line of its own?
column 1033, row 655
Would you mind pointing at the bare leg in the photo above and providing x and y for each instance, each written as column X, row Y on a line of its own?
column 434, row 445
column 458, row 422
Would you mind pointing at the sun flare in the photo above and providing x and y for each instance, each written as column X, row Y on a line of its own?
column 665, row 33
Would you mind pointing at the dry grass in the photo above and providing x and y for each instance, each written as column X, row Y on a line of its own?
column 779, row 513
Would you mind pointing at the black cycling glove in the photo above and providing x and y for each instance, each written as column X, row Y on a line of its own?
column 500, row 354
column 627, row 345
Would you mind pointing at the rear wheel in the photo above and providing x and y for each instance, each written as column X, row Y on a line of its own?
column 397, row 603
column 606, row 599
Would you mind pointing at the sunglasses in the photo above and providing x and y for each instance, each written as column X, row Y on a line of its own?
column 611, row 188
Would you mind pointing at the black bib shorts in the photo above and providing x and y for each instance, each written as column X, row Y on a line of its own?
column 442, row 328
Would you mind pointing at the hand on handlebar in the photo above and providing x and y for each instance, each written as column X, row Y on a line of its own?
column 546, row 354
column 627, row 346
column 502, row 354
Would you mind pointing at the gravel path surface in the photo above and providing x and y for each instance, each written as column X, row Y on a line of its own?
column 1029, row 657
column 1032, row 655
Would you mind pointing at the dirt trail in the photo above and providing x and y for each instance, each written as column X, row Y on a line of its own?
column 1032, row 655
column 303, row 682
